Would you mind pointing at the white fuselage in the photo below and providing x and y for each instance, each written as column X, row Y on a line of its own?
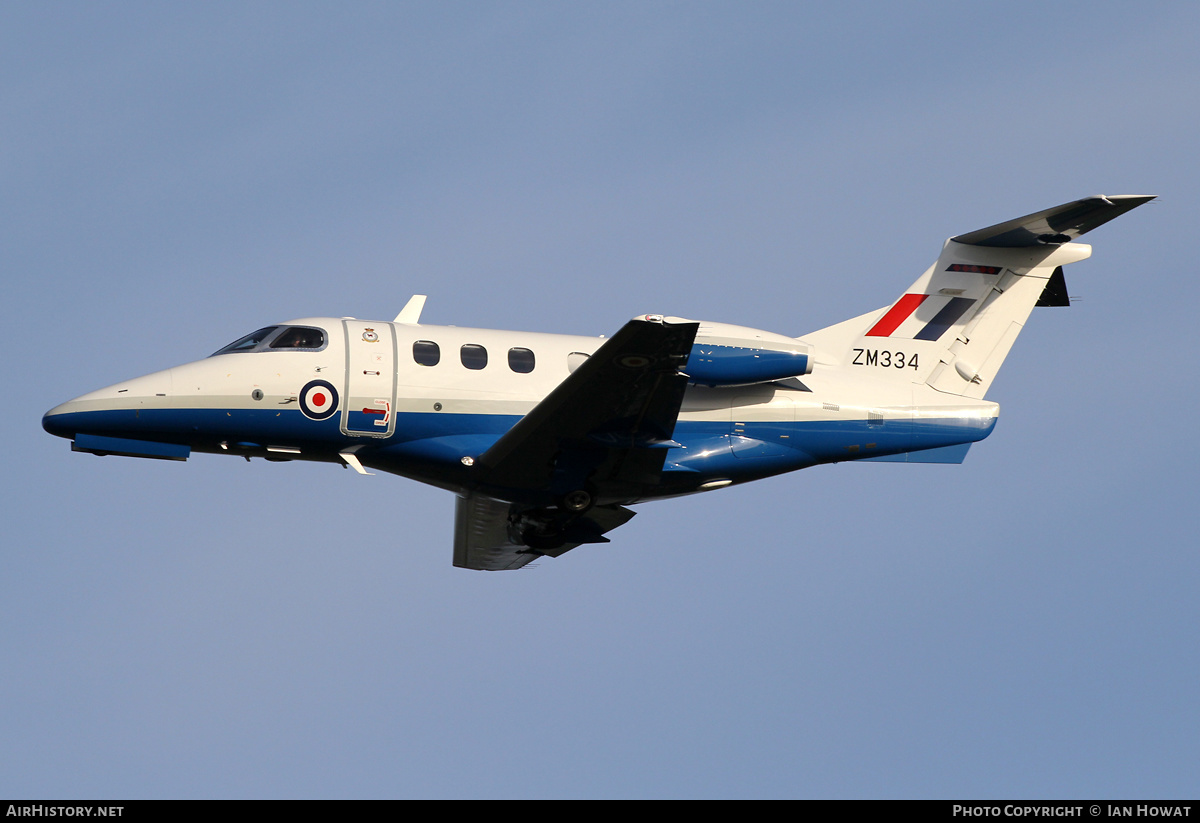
column 417, row 399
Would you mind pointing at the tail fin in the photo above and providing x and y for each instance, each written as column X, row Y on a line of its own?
column 953, row 328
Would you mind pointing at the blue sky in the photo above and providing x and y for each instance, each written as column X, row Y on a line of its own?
column 1020, row 625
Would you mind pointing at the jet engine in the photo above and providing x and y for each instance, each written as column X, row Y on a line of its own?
column 726, row 355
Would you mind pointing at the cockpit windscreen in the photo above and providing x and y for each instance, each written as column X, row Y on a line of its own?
column 278, row 338
column 248, row 343
column 299, row 337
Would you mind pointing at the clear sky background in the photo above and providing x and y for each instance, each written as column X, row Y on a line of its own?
column 1024, row 624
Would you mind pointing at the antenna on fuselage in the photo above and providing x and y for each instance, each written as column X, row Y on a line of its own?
column 411, row 313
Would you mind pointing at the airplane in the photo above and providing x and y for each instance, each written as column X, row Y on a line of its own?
column 548, row 439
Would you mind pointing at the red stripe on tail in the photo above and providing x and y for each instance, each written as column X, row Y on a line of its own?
column 896, row 315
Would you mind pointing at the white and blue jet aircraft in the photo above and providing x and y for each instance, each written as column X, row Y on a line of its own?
column 547, row 439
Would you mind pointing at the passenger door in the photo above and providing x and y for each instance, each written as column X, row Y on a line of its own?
column 369, row 408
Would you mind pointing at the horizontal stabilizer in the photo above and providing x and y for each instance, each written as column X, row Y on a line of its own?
column 1060, row 224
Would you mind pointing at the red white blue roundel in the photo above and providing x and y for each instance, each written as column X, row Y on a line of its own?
column 634, row 361
column 318, row 400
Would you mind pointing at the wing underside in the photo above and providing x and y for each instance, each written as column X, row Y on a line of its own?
column 558, row 477
column 488, row 533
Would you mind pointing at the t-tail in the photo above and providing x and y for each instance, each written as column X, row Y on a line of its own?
column 953, row 328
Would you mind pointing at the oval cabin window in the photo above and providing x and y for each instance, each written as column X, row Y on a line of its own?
column 520, row 360
column 473, row 356
column 426, row 352
column 576, row 359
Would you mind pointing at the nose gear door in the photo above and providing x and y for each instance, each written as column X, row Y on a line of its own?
column 368, row 410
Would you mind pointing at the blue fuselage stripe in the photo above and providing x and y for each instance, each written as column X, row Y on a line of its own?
column 710, row 448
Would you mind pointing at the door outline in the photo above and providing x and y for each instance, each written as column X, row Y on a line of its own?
column 356, row 341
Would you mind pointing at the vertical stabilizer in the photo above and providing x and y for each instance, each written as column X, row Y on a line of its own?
column 1002, row 289
column 955, row 325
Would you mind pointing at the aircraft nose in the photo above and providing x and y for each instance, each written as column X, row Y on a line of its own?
column 112, row 409
column 58, row 421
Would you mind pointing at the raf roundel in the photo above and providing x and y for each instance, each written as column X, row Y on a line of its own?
column 318, row 400
column 634, row 361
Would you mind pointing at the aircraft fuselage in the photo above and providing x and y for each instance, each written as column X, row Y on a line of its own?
column 547, row 438
column 425, row 401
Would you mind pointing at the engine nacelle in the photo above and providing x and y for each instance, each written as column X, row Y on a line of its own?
column 726, row 355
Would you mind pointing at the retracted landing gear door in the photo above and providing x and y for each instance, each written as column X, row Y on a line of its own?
column 370, row 379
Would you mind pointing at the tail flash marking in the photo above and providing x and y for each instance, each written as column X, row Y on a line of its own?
column 900, row 312
column 944, row 319
column 900, row 321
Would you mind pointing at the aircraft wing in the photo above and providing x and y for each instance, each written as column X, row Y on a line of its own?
column 483, row 533
column 605, row 428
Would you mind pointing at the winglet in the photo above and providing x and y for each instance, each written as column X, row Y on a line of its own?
column 411, row 313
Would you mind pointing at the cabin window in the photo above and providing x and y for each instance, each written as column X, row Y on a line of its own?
column 248, row 343
column 576, row 359
column 520, row 360
column 473, row 356
column 300, row 337
column 426, row 352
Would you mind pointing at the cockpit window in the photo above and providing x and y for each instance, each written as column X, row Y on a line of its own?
column 278, row 338
column 247, row 343
column 299, row 337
